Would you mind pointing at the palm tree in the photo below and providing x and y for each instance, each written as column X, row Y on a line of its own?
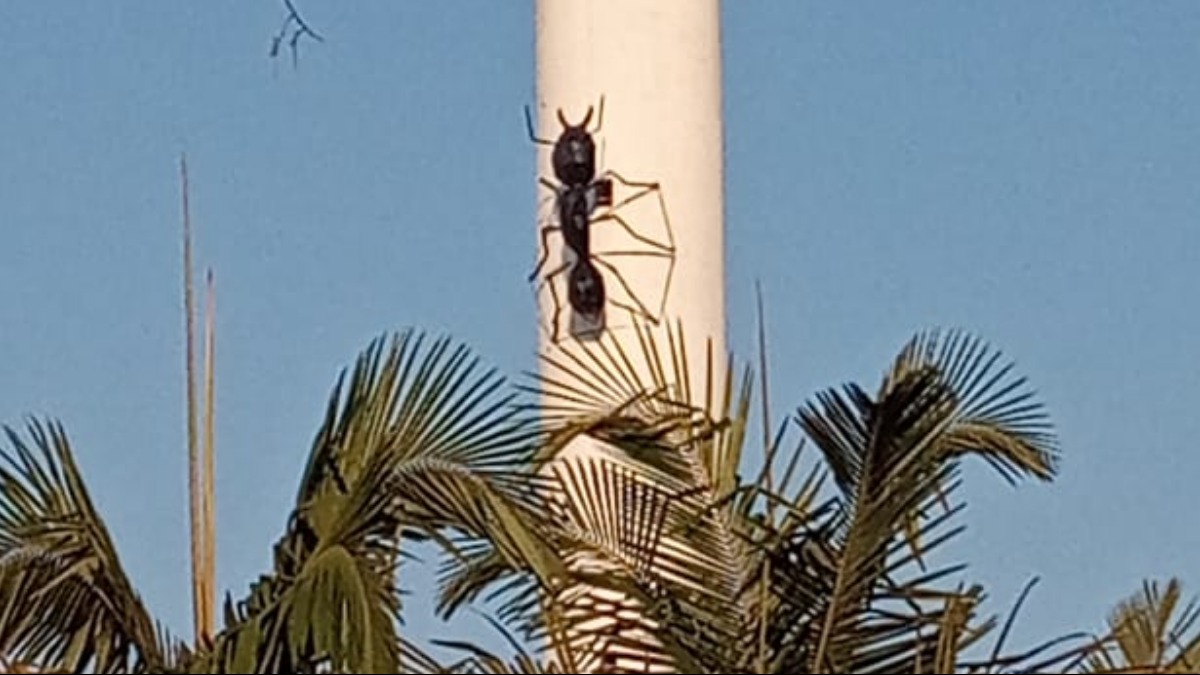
column 817, row 566
column 421, row 443
column 781, row 572
column 660, row 555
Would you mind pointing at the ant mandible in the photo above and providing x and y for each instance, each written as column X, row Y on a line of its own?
column 577, row 195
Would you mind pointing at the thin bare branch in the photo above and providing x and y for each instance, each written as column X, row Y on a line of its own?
column 294, row 28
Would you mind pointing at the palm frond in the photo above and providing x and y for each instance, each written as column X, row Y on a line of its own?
column 602, row 388
column 484, row 661
column 644, row 465
column 67, row 603
column 417, row 443
column 473, row 567
column 903, row 623
column 415, row 660
column 995, row 415
column 891, row 457
column 881, row 454
column 1150, row 633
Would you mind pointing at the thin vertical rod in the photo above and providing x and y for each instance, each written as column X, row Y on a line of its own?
column 209, row 571
column 194, row 478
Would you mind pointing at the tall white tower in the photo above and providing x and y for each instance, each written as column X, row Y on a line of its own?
column 656, row 65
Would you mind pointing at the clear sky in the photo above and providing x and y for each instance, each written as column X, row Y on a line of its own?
column 1028, row 171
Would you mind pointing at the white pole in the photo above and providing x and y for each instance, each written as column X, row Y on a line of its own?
column 657, row 65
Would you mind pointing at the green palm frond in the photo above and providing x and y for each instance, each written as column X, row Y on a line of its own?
column 634, row 556
column 892, row 457
column 614, row 519
column 601, row 388
column 880, row 454
column 65, row 601
column 630, row 418
column 1059, row 654
column 475, row 566
column 478, row 660
column 641, row 514
column 421, row 444
column 902, row 623
column 995, row 416
column 419, row 403
column 839, row 581
column 416, row 660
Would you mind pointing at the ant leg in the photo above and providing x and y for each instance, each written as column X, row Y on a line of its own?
column 529, row 126
column 656, row 254
column 642, row 186
column 552, row 187
column 647, row 254
column 548, row 184
column 554, row 297
column 667, row 248
column 554, row 319
column 545, row 249
column 645, row 188
column 557, row 271
column 633, row 311
column 641, row 307
column 541, row 206
column 642, row 189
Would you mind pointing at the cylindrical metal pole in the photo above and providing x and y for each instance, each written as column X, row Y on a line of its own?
column 656, row 65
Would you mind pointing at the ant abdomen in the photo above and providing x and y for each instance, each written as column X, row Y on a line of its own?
column 585, row 289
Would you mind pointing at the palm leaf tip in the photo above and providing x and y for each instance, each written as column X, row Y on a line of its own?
column 1152, row 631
column 989, row 411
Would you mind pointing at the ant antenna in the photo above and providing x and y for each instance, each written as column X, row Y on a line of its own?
column 532, row 135
column 600, row 117
column 587, row 118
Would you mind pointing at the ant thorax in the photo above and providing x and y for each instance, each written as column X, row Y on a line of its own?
column 575, row 212
column 576, row 200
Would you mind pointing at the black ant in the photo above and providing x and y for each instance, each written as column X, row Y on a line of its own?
column 577, row 195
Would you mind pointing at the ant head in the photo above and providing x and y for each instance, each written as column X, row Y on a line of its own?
column 585, row 289
column 574, row 156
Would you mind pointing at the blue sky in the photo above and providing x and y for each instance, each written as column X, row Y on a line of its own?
column 1027, row 171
